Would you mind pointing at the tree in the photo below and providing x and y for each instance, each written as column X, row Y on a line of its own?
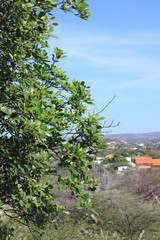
column 40, row 110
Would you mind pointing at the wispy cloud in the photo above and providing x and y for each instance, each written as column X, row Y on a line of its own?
column 134, row 54
column 116, row 59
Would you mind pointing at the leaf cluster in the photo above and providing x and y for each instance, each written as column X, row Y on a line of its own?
column 42, row 114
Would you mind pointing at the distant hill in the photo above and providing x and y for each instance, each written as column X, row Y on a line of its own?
column 132, row 136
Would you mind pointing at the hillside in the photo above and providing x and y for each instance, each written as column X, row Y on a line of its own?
column 132, row 136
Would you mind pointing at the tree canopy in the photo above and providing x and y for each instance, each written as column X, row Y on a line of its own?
column 43, row 114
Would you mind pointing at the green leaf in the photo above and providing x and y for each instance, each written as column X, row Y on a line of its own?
column 6, row 110
column 101, row 118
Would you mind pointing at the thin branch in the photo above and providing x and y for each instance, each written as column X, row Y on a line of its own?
column 8, row 124
column 106, row 105
column 15, row 218
column 70, row 132
column 111, row 125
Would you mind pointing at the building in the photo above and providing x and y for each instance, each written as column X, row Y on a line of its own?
column 113, row 155
column 147, row 162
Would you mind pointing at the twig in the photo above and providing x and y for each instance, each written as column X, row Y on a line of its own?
column 106, row 105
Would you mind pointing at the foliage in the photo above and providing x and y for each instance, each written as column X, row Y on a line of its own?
column 6, row 233
column 115, row 162
column 120, row 216
column 40, row 110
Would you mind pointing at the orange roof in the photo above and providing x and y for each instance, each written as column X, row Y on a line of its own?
column 112, row 155
column 147, row 161
column 156, row 162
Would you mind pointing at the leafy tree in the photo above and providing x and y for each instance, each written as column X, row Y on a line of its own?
column 115, row 162
column 40, row 110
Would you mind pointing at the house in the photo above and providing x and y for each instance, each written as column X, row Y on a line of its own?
column 113, row 155
column 98, row 161
column 99, row 158
column 129, row 159
column 133, row 148
column 147, row 162
column 141, row 144
column 122, row 168
column 111, row 145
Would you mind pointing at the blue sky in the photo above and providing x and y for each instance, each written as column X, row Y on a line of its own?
column 117, row 53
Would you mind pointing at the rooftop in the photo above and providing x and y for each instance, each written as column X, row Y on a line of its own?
column 147, row 161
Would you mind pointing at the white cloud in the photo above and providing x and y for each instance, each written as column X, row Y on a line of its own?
column 133, row 55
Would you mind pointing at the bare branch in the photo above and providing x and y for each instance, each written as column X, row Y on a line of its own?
column 106, row 105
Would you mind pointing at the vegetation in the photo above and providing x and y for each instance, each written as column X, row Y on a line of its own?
column 42, row 115
column 115, row 162
column 47, row 141
column 121, row 212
